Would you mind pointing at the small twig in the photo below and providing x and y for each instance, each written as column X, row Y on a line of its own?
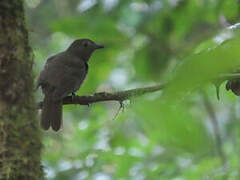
column 228, row 76
column 121, row 107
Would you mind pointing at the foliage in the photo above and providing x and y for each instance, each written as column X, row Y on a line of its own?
column 168, row 135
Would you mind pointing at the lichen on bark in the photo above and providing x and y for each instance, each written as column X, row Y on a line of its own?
column 20, row 137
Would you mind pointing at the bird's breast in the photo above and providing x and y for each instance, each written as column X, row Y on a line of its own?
column 79, row 74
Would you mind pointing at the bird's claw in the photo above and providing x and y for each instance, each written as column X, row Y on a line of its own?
column 73, row 96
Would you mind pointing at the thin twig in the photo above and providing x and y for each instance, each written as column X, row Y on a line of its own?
column 121, row 107
column 229, row 76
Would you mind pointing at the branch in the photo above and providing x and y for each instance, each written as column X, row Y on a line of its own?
column 105, row 96
column 229, row 76
column 127, row 94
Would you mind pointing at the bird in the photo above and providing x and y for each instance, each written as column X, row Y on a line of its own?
column 234, row 86
column 63, row 74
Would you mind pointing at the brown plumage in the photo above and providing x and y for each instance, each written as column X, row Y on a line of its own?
column 63, row 74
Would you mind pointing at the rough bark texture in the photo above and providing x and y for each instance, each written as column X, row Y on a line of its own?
column 20, row 138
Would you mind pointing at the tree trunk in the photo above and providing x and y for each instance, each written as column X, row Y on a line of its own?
column 20, row 137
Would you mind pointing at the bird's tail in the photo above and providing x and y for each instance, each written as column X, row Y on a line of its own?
column 51, row 113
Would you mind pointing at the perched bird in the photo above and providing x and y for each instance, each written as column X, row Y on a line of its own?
column 234, row 85
column 63, row 74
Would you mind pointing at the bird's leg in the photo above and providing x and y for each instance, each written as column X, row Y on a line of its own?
column 73, row 95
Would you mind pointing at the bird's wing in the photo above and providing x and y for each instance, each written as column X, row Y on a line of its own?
column 62, row 72
column 42, row 79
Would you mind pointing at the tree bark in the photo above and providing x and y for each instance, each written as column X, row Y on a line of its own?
column 20, row 137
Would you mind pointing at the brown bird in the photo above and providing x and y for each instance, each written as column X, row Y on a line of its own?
column 63, row 74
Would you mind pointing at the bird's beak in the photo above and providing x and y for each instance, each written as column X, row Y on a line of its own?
column 99, row 46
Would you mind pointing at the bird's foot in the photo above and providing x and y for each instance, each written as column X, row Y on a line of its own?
column 73, row 96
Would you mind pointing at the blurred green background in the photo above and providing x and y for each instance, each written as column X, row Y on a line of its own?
column 182, row 133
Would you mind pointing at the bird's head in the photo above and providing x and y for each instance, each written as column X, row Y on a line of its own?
column 83, row 48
